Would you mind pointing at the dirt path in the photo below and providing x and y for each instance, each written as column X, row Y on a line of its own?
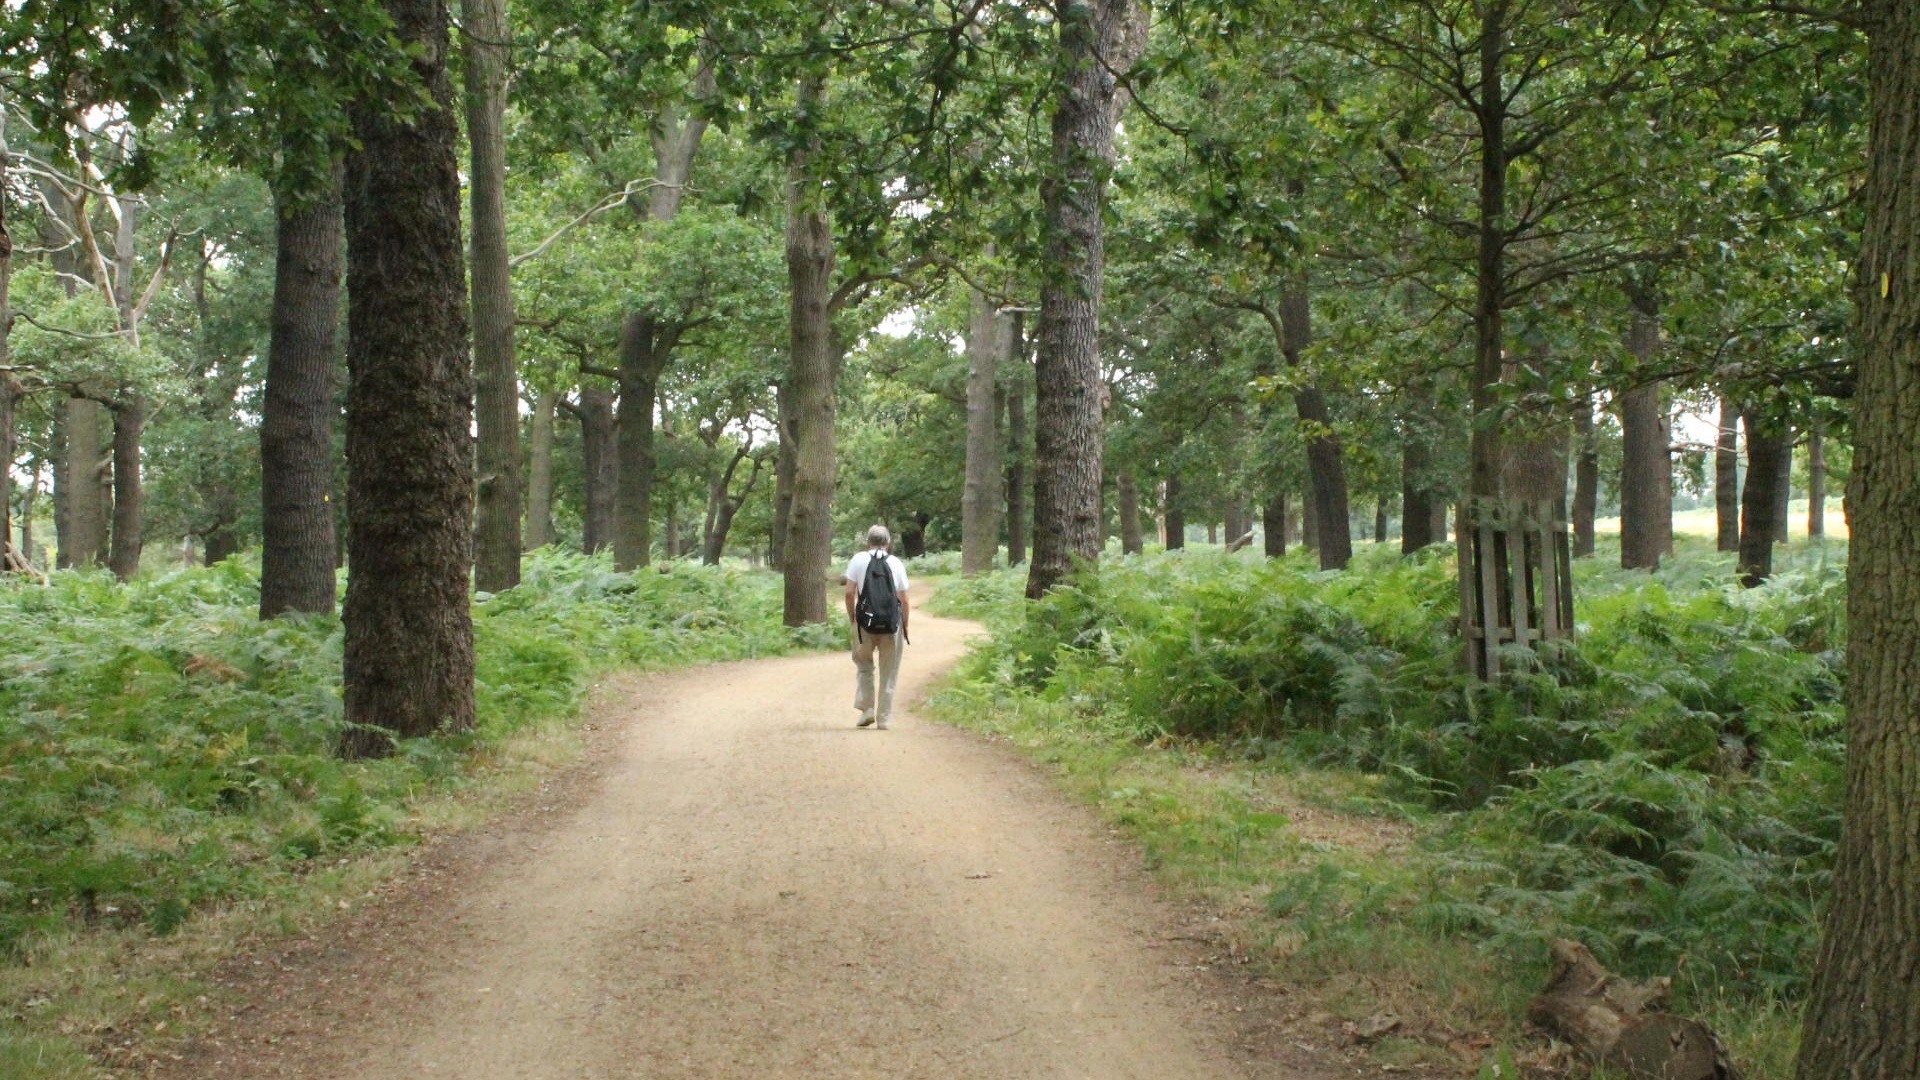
column 744, row 885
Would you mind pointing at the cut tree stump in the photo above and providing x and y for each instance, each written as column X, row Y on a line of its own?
column 1617, row 1022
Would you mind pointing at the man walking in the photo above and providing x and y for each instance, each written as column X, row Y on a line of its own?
column 876, row 597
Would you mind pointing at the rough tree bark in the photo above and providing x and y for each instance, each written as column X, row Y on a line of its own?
column 87, row 493
column 810, row 379
column 1018, row 437
column 980, row 497
column 648, row 338
column 1726, row 477
column 600, row 456
column 539, row 530
column 10, row 389
column 1586, row 478
column 1326, row 469
column 1485, row 457
column 1769, row 455
column 1175, row 512
column 409, row 629
column 723, row 504
column 1237, row 522
column 1783, row 488
column 646, row 344
column 1863, row 1017
column 1068, row 389
column 1309, row 517
column 1646, row 465
column 785, row 456
column 484, row 40
column 297, row 541
column 1416, row 494
column 1273, row 526
column 129, row 427
column 1132, row 541
column 1622, row 1024
column 1816, row 483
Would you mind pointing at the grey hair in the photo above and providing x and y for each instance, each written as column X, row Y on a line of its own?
column 878, row 536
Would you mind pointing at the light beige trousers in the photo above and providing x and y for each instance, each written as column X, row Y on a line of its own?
column 876, row 663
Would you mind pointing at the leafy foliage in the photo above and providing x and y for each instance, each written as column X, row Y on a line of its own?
column 162, row 750
column 1667, row 787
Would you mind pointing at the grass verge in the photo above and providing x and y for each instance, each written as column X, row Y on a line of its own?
column 169, row 790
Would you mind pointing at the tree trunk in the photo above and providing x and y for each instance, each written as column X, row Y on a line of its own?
column 785, row 459
column 1176, row 514
column 647, row 341
column 980, row 498
column 1535, row 465
column 129, row 497
column 539, row 531
column 1309, row 518
column 1332, row 531
column 1586, row 477
column 1068, row 439
column 10, row 389
column 729, row 505
column 599, row 438
column 1332, row 528
column 1862, row 1017
column 85, row 541
column 1646, row 467
column 645, row 345
column 1273, row 526
column 222, row 545
column 1132, row 542
column 298, row 544
column 1237, row 524
column 9, row 394
column 1726, row 477
column 29, row 499
column 1646, row 450
column 1485, row 456
column 1816, row 483
column 1783, row 489
column 1015, row 370
column 1416, row 494
column 484, row 42
column 1380, row 522
column 409, row 628
column 1769, row 453
column 811, row 374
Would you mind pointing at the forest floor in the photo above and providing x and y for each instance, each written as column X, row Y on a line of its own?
column 736, row 882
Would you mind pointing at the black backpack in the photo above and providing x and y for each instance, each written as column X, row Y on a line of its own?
column 878, row 611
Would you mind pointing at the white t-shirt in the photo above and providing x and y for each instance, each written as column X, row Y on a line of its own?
column 857, row 572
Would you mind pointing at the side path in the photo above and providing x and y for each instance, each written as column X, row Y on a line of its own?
column 748, row 886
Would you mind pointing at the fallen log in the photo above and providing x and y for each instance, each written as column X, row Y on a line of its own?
column 1618, row 1023
column 12, row 562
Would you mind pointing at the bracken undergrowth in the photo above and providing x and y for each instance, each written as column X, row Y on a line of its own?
column 1666, row 788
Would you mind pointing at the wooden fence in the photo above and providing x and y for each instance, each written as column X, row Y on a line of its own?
column 1516, row 579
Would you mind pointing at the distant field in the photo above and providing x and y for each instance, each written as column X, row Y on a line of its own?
column 1700, row 522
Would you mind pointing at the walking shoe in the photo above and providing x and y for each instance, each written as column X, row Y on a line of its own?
column 881, row 726
column 866, row 720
